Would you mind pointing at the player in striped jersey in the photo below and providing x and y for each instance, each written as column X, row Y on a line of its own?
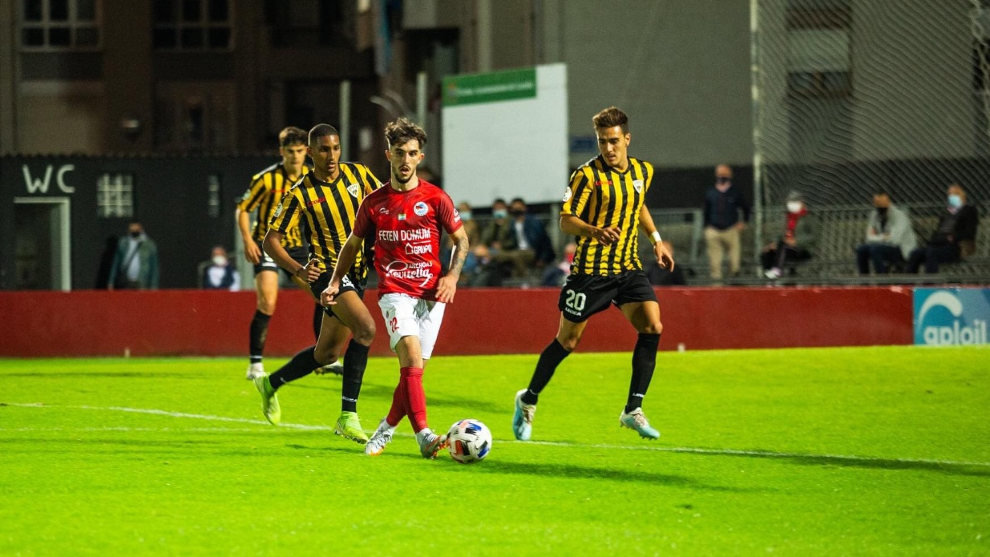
column 267, row 188
column 328, row 199
column 604, row 207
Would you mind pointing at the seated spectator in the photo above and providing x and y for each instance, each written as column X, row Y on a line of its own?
column 662, row 276
column 954, row 237
column 796, row 242
column 524, row 242
column 555, row 275
column 220, row 274
column 889, row 237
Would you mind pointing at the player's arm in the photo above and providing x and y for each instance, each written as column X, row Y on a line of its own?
column 273, row 247
column 345, row 260
column 571, row 224
column 664, row 257
column 447, row 285
column 251, row 250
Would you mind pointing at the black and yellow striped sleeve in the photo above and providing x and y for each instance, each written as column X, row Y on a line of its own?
column 255, row 193
column 286, row 214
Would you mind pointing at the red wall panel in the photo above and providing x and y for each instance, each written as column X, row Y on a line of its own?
column 481, row 321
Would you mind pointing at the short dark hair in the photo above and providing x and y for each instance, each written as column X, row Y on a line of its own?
column 611, row 117
column 517, row 199
column 291, row 136
column 402, row 130
column 321, row 130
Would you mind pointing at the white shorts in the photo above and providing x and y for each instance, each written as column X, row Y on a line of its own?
column 408, row 316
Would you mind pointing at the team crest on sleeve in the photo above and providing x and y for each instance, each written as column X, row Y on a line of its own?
column 638, row 186
column 420, row 208
column 567, row 195
column 353, row 188
column 278, row 211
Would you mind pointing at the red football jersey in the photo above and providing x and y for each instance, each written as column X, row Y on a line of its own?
column 406, row 228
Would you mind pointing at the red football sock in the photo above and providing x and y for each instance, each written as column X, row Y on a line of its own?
column 415, row 397
column 398, row 409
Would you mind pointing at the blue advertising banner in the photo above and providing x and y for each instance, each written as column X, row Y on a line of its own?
column 951, row 316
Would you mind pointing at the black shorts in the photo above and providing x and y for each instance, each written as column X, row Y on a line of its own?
column 300, row 255
column 585, row 295
column 347, row 285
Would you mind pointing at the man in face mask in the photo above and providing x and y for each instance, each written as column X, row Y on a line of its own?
column 889, row 237
column 135, row 263
column 954, row 237
column 219, row 274
column 725, row 214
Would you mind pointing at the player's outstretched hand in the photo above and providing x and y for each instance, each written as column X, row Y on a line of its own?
column 329, row 295
column 446, row 288
column 665, row 259
column 252, row 252
column 607, row 236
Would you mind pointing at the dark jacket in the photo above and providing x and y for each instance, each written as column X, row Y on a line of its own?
column 722, row 210
column 963, row 233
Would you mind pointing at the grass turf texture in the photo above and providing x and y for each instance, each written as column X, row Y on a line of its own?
column 801, row 451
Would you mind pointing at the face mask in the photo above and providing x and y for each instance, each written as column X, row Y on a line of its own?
column 794, row 206
column 518, row 212
column 500, row 213
column 882, row 211
column 465, row 215
column 219, row 260
column 135, row 233
column 955, row 201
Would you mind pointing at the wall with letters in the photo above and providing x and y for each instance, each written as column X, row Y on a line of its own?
column 185, row 203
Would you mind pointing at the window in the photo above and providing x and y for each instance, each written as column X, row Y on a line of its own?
column 115, row 196
column 60, row 25
column 195, row 117
column 192, row 24
column 310, row 23
column 819, row 49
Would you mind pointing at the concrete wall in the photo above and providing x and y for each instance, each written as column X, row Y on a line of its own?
column 211, row 323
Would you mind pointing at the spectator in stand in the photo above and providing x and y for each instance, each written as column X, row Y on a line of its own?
column 524, row 243
column 954, row 237
column 555, row 275
column 135, row 264
column 220, row 274
column 796, row 242
column 889, row 237
column 725, row 215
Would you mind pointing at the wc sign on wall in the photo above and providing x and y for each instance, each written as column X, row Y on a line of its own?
column 951, row 316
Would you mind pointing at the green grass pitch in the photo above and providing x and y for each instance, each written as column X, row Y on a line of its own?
column 854, row 451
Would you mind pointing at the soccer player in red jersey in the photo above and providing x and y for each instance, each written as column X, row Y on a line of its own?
column 406, row 216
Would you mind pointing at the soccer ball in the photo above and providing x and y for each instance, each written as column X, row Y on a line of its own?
column 469, row 441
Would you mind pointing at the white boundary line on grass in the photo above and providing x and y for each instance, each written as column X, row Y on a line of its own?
column 305, row 427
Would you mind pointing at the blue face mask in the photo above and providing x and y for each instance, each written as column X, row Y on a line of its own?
column 465, row 215
column 500, row 213
column 955, row 201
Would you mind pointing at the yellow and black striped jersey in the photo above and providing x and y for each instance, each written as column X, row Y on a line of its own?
column 266, row 190
column 602, row 196
column 329, row 209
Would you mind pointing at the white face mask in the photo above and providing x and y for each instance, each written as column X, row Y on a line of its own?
column 794, row 206
column 219, row 260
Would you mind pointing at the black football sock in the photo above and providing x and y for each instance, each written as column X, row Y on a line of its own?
column 644, row 360
column 550, row 358
column 301, row 365
column 355, row 360
column 317, row 320
column 259, row 332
